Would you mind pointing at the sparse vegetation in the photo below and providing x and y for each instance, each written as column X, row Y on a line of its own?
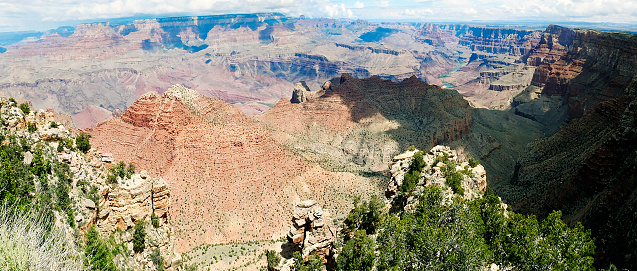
column 273, row 259
column 120, row 170
column 154, row 220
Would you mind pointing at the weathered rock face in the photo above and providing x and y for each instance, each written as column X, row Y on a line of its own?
column 229, row 179
column 132, row 201
column 312, row 230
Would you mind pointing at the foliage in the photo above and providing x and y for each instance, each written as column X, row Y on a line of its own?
column 25, row 108
column 456, row 234
column 413, row 176
column 31, row 127
column 82, row 142
column 473, row 162
column 53, row 124
column 16, row 178
column 29, row 241
column 434, row 237
column 157, row 259
column 357, row 254
column 139, row 237
column 120, row 170
column 314, row 262
column 99, row 256
column 273, row 259
column 62, row 188
column 365, row 216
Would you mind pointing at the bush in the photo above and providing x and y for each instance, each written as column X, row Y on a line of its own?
column 139, row 237
column 357, row 254
column 31, row 127
column 25, row 108
column 273, row 259
column 29, row 241
column 99, row 257
column 82, row 142
column 473, row 162
column 53, row 125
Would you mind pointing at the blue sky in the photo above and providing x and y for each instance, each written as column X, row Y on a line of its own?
column 17, row 15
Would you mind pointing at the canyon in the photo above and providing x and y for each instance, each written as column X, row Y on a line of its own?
column 245, row 116
column 249, row 60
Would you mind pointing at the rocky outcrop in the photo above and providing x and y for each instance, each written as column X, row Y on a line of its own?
column 474, row 180
column 312, row 230
column 302, row 92
column 132, row 201
column 113, row 207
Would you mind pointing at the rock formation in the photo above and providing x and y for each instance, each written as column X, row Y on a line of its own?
column 217, row 55
column 362, row 123
column 582, row 68
column 312, row 230
column 302, row 92
column 474, row 180
column 229, row 180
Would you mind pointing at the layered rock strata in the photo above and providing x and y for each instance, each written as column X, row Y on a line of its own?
column 229, row 179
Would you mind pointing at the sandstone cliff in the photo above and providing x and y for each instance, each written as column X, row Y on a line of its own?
column 581, row 68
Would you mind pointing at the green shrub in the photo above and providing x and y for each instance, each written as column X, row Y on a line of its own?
column 139, row 237
column 417, row 163
column 473, row 162
column 357, row 254
column 53, row 125
column 82, row 142
column 99, row 256
column 273, row 259
column 409, row 182
column 25, row 108
column 154, row 220
column 31, row 127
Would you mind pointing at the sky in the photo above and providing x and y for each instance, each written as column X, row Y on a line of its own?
column 21, row 15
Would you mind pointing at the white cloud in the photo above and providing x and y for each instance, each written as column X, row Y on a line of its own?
column 338, row 11
column 45, row 14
